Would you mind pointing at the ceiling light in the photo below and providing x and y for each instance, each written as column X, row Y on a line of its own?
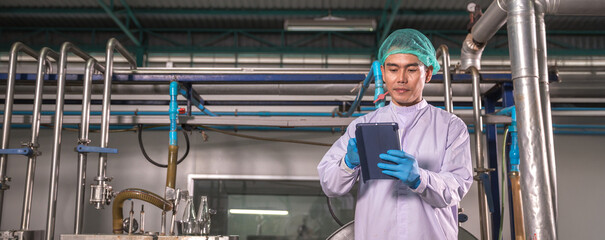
column 258, row 212
column 331, row 23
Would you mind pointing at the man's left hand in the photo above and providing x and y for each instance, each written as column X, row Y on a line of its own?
column 405, row 167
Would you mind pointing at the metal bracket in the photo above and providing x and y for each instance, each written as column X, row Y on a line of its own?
column 88, row 149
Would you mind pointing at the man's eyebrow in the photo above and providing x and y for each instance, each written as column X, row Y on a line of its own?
column 406, row 66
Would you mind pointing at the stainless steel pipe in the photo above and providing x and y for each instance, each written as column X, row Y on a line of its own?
column 574, row 7
column 83, row 139
column 484, row 214
column 57, row 130
column 8, row 112
column 546, row 108
column 444, row 52
column 485, row 28
column 112, row 45
column 43, row 65
column 536, row 195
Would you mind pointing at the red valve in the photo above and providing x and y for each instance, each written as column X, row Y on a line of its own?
column 182, row 111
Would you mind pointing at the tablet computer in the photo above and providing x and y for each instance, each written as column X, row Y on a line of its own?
column 372, row 140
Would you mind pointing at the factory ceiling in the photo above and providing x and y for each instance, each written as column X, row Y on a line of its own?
column 243, row 26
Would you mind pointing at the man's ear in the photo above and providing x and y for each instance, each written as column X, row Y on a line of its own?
column 382, row 69
column 429, row 74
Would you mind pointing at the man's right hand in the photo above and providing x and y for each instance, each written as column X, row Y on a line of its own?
column 352, row 157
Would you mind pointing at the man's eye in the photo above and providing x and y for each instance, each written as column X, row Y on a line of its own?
column 412, row 69
column 393, row 69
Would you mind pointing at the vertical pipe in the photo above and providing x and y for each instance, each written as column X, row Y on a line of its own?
column 480, row 163
column 537, row 200
column 379, row 83
column 56, row 150
column 112, row 45
column 173, row 147
column 444, row 52
column 57, row 130
column 83, row 139
column 8, row 112
column 546, row 108
column 35, row 130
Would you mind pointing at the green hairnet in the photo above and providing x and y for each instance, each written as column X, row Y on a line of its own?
column 409, row 41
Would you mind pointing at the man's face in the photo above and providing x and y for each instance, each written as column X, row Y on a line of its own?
column 404, row 77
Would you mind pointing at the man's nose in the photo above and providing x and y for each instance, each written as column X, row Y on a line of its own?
column 401, row 77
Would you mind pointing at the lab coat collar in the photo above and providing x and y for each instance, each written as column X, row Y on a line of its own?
column 409, row 109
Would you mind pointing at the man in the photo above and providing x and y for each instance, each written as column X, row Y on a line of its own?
column 431, row 174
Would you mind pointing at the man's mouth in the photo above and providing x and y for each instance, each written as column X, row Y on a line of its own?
column 400, row 90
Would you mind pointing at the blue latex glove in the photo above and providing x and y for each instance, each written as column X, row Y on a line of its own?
column 352, row 157
column 405, row 167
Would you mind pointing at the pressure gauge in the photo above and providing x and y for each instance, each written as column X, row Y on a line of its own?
column 470, row 7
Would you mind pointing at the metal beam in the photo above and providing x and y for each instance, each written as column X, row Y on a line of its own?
column 250, row 12
column 120, row 24
column 131, row 14
column 387, row 27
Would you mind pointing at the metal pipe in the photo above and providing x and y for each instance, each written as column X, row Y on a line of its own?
column 58, row 126
column 83, row 139
column 537, row 200
column 485, row 28
column 444, row 52
column 484, row 214
column 574, row 7
column 8, row 112
column 519, row 225
column 112, row 45
column 546, row 108
column 43, row 65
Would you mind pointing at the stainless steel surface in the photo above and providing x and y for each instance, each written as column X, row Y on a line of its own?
column 83, row 139
column 546, row 108
column 163, row 224
column 112, row 45
column 536, row 190
column 8, row 112
column 484, row 215
column 43, row 67
column 241, row 71
column 142, row 219
column 22, row 235
column 57, row 130
column 470, row 53
column 492, row 20
column 485, row 28
column 575, row 7
column 346, row 232
column 444, row 53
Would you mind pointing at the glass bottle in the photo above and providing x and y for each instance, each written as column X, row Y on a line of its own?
column 203, row 217
column 189, row 222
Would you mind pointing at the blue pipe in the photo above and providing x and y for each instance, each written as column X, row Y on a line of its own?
column 173, row 112
column 514, row 148
column 379, row 89
column 366, row 83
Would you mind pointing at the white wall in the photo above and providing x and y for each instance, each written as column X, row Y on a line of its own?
column 578, row 159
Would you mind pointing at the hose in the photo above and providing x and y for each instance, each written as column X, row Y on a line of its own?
column 503, row 180
column 135, row 193
column 140, row 127
column 332, row 212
